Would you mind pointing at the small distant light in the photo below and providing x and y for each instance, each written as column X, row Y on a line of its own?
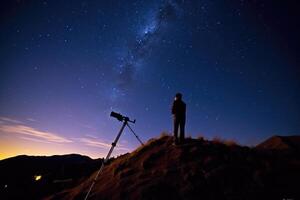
column 37, row 177
column 5, row 186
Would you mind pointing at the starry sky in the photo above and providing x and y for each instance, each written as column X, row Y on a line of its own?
column 65, row 65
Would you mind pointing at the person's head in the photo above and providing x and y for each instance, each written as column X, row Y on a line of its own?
column 178, row 96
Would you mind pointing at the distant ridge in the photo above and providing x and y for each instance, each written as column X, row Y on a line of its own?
column 281, row 143
column 58, row 172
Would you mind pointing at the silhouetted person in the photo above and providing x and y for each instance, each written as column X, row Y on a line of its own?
column 178, row 111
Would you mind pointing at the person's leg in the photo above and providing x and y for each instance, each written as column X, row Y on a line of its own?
column 176, row 126
column 182, row 129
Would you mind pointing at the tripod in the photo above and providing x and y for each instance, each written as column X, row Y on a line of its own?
column 125, row 123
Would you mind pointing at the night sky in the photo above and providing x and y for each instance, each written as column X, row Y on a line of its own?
column 65, row 65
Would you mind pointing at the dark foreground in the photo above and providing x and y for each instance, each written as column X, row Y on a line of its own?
column 199, row 169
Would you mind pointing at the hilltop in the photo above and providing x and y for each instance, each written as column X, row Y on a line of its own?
column 198, row 169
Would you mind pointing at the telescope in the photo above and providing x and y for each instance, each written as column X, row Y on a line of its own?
column 120, row 117
column 125, row 121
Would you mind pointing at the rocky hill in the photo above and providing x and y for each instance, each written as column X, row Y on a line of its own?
column 198, row 169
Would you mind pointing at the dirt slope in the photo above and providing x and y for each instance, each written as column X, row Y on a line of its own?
column 199, row 169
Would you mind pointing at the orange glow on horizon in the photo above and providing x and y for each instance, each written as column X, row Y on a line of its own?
column 14, row 146
column 16, row 139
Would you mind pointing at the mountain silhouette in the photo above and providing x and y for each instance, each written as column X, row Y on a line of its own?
column 55, row 173
column 199, row 169
column 291, row 143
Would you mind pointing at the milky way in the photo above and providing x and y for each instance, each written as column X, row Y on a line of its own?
column 148, row 36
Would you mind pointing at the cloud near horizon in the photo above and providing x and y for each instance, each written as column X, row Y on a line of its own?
column 9, row 120
column 32, row 132
column 25, row 132
column 101, row 144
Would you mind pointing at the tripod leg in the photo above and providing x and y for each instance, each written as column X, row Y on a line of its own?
column 137, row 137
column 106, row 159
